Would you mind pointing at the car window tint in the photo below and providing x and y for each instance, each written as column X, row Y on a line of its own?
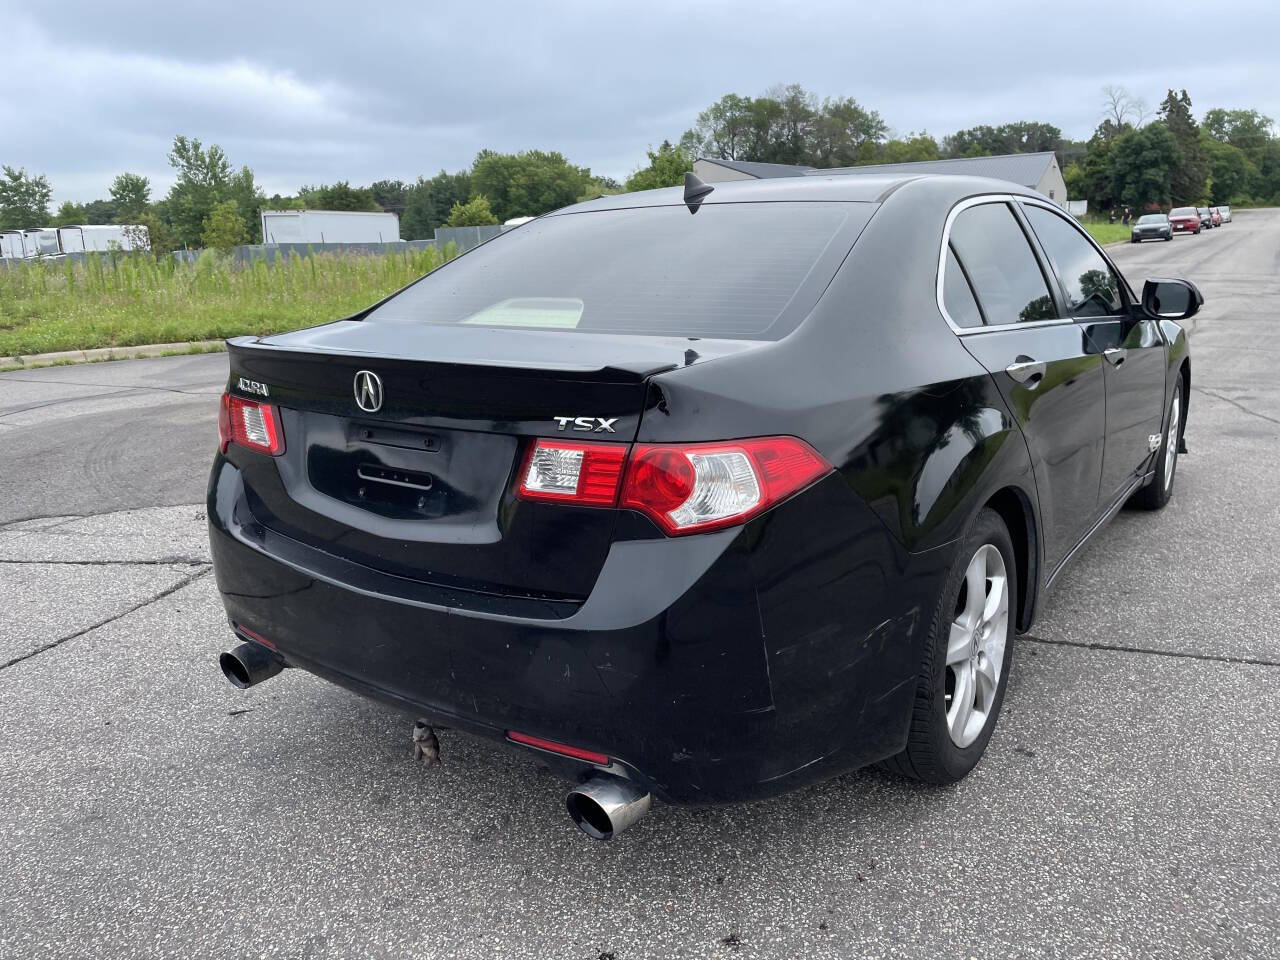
column 1001, row 266
column 956, row 295
column 735, row 270
column 1090, row 285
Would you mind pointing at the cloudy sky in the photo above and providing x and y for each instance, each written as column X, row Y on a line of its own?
column 317, row 92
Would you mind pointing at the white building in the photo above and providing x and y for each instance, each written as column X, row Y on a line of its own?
column 329, row 226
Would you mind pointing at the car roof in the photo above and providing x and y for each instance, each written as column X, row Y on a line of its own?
column 863, row 188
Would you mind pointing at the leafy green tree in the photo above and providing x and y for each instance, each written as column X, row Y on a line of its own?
column 131, row 194
column 723, row 130
column 1230, row 172
column 1024, row 136
column 390, row 195
column 1248, row 130
column 1144, row 164
column 474, row 213
column 916, row 148
column 1095, row 172
column 842, row 129
column 69, row 214
column 24, row 199
column 339, row 196
column 430, row 202
column 224, row 228
column 157, row 233
column 99, row 211
column 1191, row 168
column 527, row 184
column 667, row 167
column 1073, row 176
column 206, row 180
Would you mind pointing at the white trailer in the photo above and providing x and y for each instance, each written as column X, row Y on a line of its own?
column 12, row 246
column 42, row 242
column 329, row 226
column 103, row 237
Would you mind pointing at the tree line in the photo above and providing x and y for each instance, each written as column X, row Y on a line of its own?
column 214, row 204
column 1136, row 157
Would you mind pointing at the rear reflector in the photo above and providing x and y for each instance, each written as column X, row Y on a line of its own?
column 250, row 424
column 248, row 634
column 583, row 473
column 577, row 753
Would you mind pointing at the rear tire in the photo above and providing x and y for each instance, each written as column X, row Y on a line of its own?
column 1160, row 490
column 966, row 659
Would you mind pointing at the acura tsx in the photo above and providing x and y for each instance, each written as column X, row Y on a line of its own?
column 702, row 494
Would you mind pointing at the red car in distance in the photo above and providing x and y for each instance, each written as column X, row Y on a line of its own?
column 1215, row 216
column 1184, row 220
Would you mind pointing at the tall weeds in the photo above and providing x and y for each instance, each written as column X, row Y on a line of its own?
column 130, row 299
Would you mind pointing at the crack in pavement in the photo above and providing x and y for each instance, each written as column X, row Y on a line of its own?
column 43, row 648
column 1176, row 654
column 1237, row 404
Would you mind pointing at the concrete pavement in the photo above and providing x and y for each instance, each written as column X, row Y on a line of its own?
column 1128, row 807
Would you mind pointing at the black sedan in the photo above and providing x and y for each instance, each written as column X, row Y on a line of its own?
column 1151, row 226
column 703, row 494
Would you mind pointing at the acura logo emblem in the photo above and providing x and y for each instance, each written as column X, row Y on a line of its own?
column 368, row 391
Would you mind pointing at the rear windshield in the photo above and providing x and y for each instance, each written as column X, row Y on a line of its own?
column 1153, row 218
column 732, row 270
column 1183, row 212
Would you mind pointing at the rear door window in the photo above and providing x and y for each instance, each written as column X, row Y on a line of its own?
column 1088, row 282
column 730, row 270
column 1004, row 272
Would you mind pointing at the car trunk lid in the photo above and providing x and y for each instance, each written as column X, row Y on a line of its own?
column 422, row 486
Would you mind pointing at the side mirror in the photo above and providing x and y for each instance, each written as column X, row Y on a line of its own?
column 1171, row 299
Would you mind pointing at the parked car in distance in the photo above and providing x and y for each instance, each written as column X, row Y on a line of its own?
column 1151, row 226
column 1206, row 218
column 702, row 494
column 1225, row 212
column 1185, row 220
column 1215, row 216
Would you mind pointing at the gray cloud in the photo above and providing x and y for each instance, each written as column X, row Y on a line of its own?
column 332, row 91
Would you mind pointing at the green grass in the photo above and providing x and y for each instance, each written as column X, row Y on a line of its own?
column 1105, row 232
column 133, row 300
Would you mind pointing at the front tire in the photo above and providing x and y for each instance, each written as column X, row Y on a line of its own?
column 1160, row 490
column 966, row 661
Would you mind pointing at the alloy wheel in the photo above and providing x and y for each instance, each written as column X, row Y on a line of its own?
column 1171, row 440
column 976, row 645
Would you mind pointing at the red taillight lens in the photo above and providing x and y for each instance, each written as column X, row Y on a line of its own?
column 586, row 474
column 689, row 488
column 250, row 424
column 684, row 488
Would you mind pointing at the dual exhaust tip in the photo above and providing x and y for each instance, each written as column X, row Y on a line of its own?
column 602, row 807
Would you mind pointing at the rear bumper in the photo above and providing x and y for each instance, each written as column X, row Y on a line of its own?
column 714, row 668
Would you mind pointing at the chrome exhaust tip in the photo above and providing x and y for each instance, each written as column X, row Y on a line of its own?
column 605, row 806
column 248, row 664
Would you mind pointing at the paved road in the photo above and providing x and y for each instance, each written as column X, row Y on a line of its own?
column 1129, row 805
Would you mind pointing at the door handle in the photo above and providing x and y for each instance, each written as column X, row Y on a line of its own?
column 1025, row 370
column 1116, row 355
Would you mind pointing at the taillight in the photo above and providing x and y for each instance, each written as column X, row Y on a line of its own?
column 684, row 488
column 249, row 424
column 689, row 488
column 583, row 473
